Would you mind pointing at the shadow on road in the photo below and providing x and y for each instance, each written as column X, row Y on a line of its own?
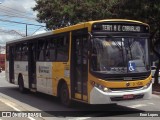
column 52, row 106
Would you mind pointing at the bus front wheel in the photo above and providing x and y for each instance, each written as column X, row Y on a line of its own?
column 64, row 95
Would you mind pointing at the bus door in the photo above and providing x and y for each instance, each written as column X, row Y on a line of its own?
column 11, row 64
column 32, row 65
column 79, row 65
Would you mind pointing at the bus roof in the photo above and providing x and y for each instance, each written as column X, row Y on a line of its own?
column 74, row 27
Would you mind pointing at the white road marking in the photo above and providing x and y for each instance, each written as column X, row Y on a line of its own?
column 137, row 106
column 80, row 118
column 12, row 105
column 16, row 109
column 151, row 103
column 141, row 105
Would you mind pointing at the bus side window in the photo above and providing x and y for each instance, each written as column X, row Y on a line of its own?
column 62, row 48
column 52, row 50
column 18, row 52
column 24, row 52
column 41, row 48
column 7, row 53
column 47, row 53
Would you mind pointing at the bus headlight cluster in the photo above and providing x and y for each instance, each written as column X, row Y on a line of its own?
column 101, row 87
column 147, row 85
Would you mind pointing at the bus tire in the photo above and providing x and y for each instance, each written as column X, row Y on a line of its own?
column 21, row 84
column 64, row 95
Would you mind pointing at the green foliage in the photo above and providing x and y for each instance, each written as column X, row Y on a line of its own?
column 60, row 13
column 144, row 10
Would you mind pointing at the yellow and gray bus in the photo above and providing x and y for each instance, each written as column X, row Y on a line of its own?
column 96, row 62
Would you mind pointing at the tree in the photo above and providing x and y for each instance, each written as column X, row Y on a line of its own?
column 61, row 13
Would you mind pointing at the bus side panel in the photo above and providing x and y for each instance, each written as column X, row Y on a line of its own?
column 21, row 67
column 44, row 77
column 61, row 71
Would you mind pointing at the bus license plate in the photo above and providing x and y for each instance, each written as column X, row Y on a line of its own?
column 128, row 97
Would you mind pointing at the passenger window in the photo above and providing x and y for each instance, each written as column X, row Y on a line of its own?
column 62, row 48
column 41, row 50
column 24, row 52
column 7, row 53
column 18, row 52
column 51, row 50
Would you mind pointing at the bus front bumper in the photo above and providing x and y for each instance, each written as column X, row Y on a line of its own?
column 97, row 96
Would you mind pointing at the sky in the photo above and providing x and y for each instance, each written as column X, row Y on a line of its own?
column 12, row 11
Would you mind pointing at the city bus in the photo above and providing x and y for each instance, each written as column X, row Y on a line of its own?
column 95, row 62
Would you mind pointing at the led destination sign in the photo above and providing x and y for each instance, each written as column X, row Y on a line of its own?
column 120, row 28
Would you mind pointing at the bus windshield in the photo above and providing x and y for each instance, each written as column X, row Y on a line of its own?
column 120, row 55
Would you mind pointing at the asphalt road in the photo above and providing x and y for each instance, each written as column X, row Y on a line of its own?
column 51, row 109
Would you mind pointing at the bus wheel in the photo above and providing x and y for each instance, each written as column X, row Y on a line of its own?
column 64, row 95
column 21, row 84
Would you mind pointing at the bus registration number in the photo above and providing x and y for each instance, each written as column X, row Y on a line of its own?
column 125, row 97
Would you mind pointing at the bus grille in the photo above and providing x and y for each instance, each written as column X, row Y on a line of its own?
column 128, row 78
column 125, row 89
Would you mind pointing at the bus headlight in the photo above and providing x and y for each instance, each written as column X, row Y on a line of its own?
column 147, row 85
column 101, row 87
